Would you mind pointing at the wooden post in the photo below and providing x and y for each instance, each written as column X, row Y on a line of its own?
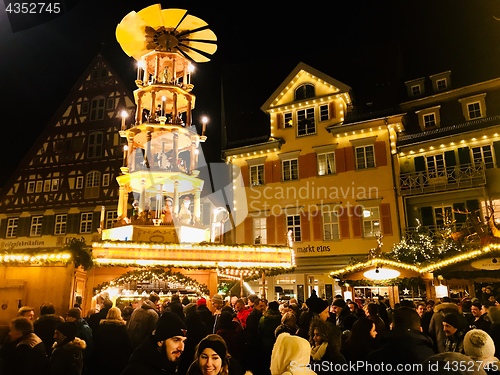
column 241, row 285
column 263, row 284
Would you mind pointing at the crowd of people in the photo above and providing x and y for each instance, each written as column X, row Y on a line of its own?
column 250, row 335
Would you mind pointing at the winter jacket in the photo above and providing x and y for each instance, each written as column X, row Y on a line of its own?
column 142, row 322
column 25, row 356
column 44, row 328
column 148, row 359
column 113, row 347
column 436, row 331
column 67, row 358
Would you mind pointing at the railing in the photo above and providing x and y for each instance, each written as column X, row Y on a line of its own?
column 442, row 179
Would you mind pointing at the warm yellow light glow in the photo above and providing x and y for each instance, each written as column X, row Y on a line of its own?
column 381, row 274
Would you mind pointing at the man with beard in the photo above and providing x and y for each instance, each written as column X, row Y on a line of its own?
column 160, row 353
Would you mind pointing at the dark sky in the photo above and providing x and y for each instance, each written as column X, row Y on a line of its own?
column 369, row 45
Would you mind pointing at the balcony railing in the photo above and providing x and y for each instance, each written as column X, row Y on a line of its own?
column 452, row 178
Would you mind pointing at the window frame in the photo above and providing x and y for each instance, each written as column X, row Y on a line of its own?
column 291, row 224
column 288, row 167
column 257, row 175
column 306, row 122
column 86, row 222
column 373, row 233
column 483, row 158
column 328, row 170
column 31, row 187
column 79, row 182
column 36, row 226
column 97, row 108
column 111, row 217
column 364, row 162
column 12, row 225
column 106, row 178
column 288, row 120
column 60, row 224
column 330, row 224
column 322, row 115
column 95, row 145
column 259, row 230
column 474, row 113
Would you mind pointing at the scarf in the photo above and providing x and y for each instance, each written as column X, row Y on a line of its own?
column 317, row 352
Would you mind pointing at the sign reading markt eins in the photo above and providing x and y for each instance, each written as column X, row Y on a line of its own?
column 490, row 264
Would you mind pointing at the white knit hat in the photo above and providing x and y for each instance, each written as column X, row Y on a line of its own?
column 479, row 345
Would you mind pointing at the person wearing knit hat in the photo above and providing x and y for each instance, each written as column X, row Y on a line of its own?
column 212, row 358
column 319, row 306
column 160, row 352
column 67, row 353
column 342, row 316
column 454, row 327
column 480, row 347
column 201, row 301
column 290, row 356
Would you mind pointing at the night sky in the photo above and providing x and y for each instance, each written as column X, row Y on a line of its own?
column 371, row 46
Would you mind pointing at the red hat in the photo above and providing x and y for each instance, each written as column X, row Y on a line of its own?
column 201, row 301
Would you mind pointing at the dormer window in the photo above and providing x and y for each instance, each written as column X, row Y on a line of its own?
column 415, row 87
column 429, row 118
column 473, row 107
column 441, row 81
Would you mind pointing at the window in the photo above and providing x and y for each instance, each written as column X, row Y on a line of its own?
column 415, row 90
column 304, row 92
column 60, row 224
column 105, row 179
column 435, row 166
column 429, row 120
column 36, row 226
column 326, row 164
column 47, row 185
column 330, row 223
column 323, row 112
column 288, row 119
column 39, row 187
column 260, row 231
column 371, row 221
column 110, row 104
column 31, row 187
column 86, row 222
column 79, row 182
column 365, row 157
column 111, row 217
column 257, row 174
column 306, row 124
column 94, row 149
column 293, row 224
column 483, row 154
column 85, row 108
column 92, row 184
column 443, row 215
column 55, row 185
column 12, row 227
column 97, row 109
column 474, row 110
column 290, row 169
column 441, row 84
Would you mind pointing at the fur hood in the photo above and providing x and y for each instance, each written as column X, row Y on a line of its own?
column 450, row 306
column 76, row 343
column 117, row 322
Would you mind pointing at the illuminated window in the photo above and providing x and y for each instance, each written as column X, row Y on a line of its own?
column 39, row 186
column 46, row 185
column 36, row 226
column 105, row 179
column 60, row 224
column 86, row 222
column 290, row 169
column 416, row 90
column 483, row 155
column 330, row 223
column 257, row 174
column 260, row 231
column 79, row 182
column 306, row 123
column 31, row 187
column 94, row 149
column 365, row 157
column 371, row 221
column 55, row 185
column 111, row 217
column 12, row 227
column 97, row 109
column 304, row 92
column 324, row 112
column 293, row 224
column 326, row 164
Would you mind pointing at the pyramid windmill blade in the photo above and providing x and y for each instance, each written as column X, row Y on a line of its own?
column 193, row 54
column 190, row 23
column 130, row 34
column 152, row 16
column 173, row 17
column 204, row 40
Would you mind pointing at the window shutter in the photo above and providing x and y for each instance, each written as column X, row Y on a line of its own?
column 449, row 158
column 496, row 147
column 350, row 164
column 380, row 154
column 279, row 121
column 23, row 226
column 340, row 160
column 464, row 155
column 268, row 172
column 419, row 164
column 271, row 229
column 385, row 213
column 344, row 224
column 317, row 222
column 331, row 108
column 245, row 174
column 73, row 223
column 357, row 222
column 305, row 227
column 48, row 223
column 280, row 230
column 307, row 165
column 249, row 230
column 276, row 171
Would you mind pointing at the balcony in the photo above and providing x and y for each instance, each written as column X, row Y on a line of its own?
column 445, row 179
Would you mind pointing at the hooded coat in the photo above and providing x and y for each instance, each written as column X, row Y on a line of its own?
column 67, row 357
column 436, row 325
column 142, row 322
column 290, row 356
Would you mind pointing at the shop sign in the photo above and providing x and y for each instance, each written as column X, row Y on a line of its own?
column 490, row 264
